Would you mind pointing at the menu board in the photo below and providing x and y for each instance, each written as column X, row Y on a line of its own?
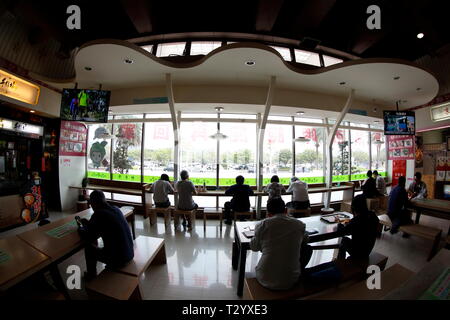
column 401, row 147
column 73, row 139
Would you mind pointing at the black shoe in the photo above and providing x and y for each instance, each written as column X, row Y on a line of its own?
column 405, row 235
column 393, row 231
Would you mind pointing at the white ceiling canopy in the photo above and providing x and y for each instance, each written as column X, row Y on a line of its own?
column 384, row 80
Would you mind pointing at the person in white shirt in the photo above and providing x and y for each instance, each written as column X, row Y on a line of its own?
column 282, row 240
column 300, row 198
column 161, row 188
column 417, row 189
column 380, row 183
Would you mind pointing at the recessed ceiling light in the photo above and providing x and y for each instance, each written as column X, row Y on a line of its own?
column 87, row 68
column 32, row 111
column 418, row 89
column 420, row 35
column 342, row 83
column 396, row 77
column 128, row 61
column 250, row 63
column 300, row 113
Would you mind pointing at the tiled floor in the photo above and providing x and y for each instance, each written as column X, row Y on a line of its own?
column 199, row 263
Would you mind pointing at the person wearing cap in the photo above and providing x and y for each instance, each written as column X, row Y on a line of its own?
column 300, row 198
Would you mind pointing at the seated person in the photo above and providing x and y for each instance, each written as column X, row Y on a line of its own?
column 363, row 229
column 369, row 187
column 107, row 223
column 274, row 188
column 161, row 188
column 300, row 198
column 417, row 189
column 185, row 189
column 281, row 240
column 240, row 201
column 379, row 182
column 398, row 201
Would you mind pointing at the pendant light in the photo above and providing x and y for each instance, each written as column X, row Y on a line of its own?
column 218, row 135
column 301, row 139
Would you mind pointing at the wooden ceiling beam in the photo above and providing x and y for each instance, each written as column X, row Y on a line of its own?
column 267, row 14
column 139, row 13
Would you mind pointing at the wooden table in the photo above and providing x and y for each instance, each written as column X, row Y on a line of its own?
column 431, row 207
column 241, row 243
column 18, row 261
column 421, row 281
column 133, row 192
column 58, row 249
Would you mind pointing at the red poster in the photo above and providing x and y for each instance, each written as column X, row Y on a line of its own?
column 72, row 141
column 401, row 148
column 398, row 170
column 128, row 130
column 161, row 132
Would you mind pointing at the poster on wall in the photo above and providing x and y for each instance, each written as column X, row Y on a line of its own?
column 441, row 168
column 73, row 139
column 419, row 152
column 398, row 170
column 401, row 147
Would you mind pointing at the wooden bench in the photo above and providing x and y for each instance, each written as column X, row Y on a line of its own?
column 351, row 271
column 189, row 214
column 126, row 188
column 212, row 212
column 391, row 279
column 110, row 285
column 299, row 213
column 166, row 212
column 147, row 251
column 417, row 230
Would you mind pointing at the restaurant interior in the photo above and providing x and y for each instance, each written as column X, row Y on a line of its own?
column 289, row 90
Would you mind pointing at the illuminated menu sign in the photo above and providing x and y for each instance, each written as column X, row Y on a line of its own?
column 21, row 127
column 17, row 88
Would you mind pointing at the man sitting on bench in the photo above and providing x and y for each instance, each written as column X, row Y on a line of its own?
column 398, row 201
column 281, row 240
column 363, row 229
column 108, row 223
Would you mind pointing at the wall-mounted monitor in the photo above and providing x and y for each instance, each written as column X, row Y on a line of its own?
column 399, row 122
column 447, row 191
column 85, row 105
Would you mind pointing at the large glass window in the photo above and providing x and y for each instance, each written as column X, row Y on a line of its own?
column 204, row 47
column 329, row 61
column 238, row 153
column 285, row 52
column 126, row 164
column 360, row 154
column 198, row 151
column 170, row 49
column 99, row 151
column 379, row 153
column 307, row 57
column 341, row 156
column 277, row 155
column 158, row 151
column 309, row 154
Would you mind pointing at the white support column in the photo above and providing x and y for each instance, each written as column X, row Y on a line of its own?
column 262, row 128
column 175, row 125
column 329, row 153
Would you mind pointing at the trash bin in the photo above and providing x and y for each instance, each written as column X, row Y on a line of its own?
column 82, row 205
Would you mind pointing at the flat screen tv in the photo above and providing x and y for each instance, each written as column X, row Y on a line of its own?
column 85, row 105
column 399, row 122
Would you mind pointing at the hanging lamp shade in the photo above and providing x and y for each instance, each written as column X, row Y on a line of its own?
column 302, row 139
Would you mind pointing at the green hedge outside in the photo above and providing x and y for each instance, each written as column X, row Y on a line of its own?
column 222, row 181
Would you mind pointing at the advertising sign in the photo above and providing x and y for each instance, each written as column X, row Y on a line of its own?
column 401, row 147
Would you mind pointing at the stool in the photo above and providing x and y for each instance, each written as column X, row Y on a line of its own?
column 373, row 204
column 110, row 285
column 246, row 213
column 82, row 205
column 189, row 214
column 153, row 213
column 299, row 213
column 212, row 212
